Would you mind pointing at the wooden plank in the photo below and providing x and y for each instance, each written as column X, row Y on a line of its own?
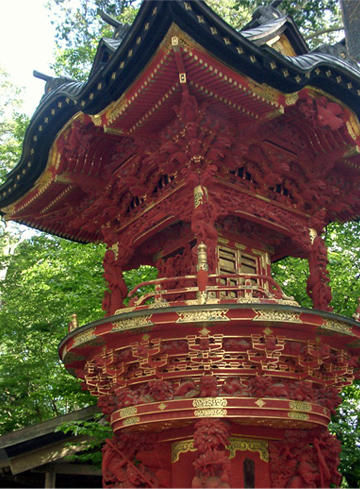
column 70, row 469
column 46, row 455
column 25, row 434
column 4, row 459
column 50, row 479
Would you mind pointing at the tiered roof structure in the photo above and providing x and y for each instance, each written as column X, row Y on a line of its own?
column 208, row 153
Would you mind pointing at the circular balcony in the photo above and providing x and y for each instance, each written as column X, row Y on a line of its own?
column 243, row 352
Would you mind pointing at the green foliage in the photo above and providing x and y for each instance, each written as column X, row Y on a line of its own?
column 47, row 280
column 291, row 274
column 236, row 13
column 344, row 266
column 346, row 426
column 98, row 430
column 13, row 123
column 79, row 28
column 137, row 276
column 316, row 19
column 343, row 243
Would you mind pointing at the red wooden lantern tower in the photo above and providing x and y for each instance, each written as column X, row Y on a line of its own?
column 209, row 154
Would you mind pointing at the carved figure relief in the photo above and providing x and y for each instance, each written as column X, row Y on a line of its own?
column 75, row 144
column 322, row 113
column 212, row 464
column 113, row 300
column 305, row 459
column 135, row 460
column 318, row 287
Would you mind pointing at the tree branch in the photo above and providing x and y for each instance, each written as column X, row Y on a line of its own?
column 324, row 31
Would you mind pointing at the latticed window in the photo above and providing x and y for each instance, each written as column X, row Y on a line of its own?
column 234, row 260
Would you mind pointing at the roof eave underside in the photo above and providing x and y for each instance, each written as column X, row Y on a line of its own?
column 195, row 19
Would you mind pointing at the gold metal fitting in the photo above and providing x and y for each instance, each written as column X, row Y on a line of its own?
column 74, row 322
column 202, row 263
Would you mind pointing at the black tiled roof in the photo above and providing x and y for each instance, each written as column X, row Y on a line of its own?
column 114, row 71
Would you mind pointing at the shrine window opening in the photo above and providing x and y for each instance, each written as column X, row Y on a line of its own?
column 247, row 178
column 280, row 189
column 164, row 180
column 135, row 202
column 242, row 173
column 249, row 473
column 237, row 261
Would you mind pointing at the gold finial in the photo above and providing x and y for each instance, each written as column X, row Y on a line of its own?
column 74, row 322
column 202, row 263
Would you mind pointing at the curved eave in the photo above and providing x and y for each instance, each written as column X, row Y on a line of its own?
column 106, row 49
column 284, row 25
column 264, row 65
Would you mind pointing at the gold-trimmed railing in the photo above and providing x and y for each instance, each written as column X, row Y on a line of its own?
column 184, row 288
